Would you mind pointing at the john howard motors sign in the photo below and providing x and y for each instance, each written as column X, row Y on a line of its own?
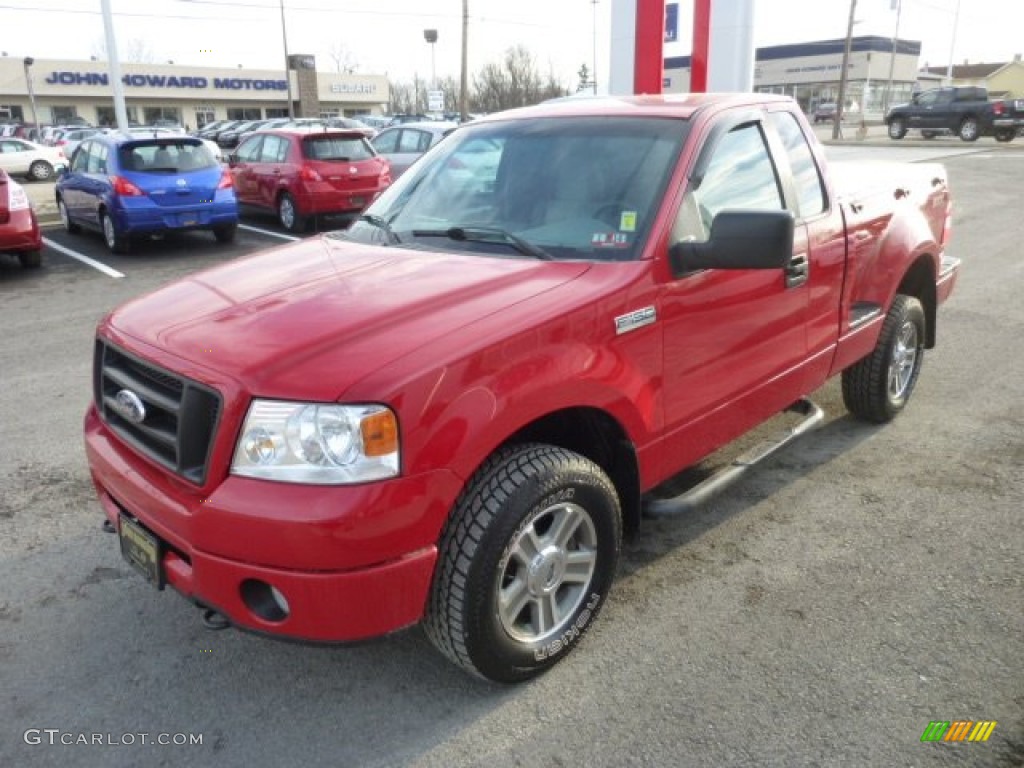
column 168, row 81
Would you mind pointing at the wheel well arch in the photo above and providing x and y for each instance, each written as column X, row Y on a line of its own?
column 919, row 282
column 595, row 434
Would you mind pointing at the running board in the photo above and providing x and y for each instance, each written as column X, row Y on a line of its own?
column 729, row 474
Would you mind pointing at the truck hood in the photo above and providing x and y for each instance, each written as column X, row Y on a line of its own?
column 309, row 319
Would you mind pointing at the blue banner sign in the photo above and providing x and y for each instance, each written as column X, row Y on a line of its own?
column 167, row 81
column 671, row 22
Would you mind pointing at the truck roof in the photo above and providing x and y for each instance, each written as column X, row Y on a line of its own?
column 682, row 105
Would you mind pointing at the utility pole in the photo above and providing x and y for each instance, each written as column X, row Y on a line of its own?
column 892, row 57
column 593, row 73
column 952, row 45
column 287, row 63
column 837, row 129
column 463, row 87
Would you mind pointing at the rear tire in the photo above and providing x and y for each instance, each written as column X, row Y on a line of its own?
column 897, row 128
column 40, row 170
column 1005, row 134
column 878, row 387
column 31, row 259
column 225, row 233
column 968, row 129
column 289, row 216
column 117, row 241
column 525, row 562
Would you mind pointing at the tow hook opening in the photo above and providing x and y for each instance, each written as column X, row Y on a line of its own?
column 264, row 600
column 108, row 527
column 214, row 620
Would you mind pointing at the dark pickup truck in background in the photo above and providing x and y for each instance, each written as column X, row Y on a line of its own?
column 963, row 111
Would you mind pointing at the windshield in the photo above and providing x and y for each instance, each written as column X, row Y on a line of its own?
column 561, row 188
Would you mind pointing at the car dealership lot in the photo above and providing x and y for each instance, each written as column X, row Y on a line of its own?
column 858, row 586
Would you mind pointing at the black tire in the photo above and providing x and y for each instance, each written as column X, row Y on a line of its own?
column 117, row 241
column 521, row 494
column 968, row 130
column 928, row 134
column 31, row 259
column 40, row 170
column 288, row 214
column 897, row 128
column 225, row 233
column 878, row 387
column 69, row 226
column 1005, row 134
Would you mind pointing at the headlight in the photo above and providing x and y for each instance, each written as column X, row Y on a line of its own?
column 319, row 444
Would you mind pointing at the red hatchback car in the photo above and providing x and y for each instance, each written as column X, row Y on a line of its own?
column 19, row 229
column 303, row 174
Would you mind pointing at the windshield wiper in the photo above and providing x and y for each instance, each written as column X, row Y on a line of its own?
column 381, row 223
column 487, row 235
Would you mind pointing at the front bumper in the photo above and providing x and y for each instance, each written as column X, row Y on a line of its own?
column 352, row 562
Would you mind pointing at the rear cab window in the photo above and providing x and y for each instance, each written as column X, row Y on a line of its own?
column 165, row 156
column 336, row 148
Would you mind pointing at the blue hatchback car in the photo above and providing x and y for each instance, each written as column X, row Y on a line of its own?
column 127, row 186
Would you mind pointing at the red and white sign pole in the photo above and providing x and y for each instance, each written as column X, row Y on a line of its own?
column 722, row 58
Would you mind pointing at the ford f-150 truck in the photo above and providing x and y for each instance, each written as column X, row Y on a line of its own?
column 449, row 413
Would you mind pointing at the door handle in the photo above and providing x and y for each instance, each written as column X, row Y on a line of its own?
column 797, row 271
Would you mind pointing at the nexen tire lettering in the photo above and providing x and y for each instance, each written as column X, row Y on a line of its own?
column 571, row 635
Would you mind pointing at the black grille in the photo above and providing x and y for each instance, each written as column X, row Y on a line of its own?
column 180, row 414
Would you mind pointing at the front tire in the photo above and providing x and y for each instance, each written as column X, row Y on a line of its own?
column 897, row 128
column 968, row 129
column 40, row 170
column 525, row 562
column 65, row 218
column 878, row 387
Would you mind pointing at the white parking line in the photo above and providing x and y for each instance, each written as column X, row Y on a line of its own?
column 109, row 271
column 268, row 232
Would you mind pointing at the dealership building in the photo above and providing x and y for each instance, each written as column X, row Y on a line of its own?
column 809, row 72
column 191, row 96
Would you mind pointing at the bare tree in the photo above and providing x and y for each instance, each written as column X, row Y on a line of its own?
column 136, row 51
column 344, row 61
column 514, row 82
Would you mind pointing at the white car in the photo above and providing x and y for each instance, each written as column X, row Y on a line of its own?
column 25, row 158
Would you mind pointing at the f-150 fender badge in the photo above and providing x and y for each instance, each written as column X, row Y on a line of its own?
column 638, row 318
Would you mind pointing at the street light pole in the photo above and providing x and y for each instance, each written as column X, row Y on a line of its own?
column 952, row 45
column 287, row 64
column 593, row 74
column 114, row 65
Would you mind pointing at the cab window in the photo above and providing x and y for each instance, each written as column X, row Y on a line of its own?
column 810, row 187
column 741, row 174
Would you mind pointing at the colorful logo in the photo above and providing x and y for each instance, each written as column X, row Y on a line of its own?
column 958, row 730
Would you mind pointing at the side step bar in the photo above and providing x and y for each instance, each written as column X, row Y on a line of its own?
column 729, row 474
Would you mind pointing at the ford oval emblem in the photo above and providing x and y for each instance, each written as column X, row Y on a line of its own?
column 129, row 407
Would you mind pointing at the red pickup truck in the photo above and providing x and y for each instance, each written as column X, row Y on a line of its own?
column 450, row 412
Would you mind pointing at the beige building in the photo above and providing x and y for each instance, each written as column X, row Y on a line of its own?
column 809, row 72
column 192, row 96
column 1003, row 79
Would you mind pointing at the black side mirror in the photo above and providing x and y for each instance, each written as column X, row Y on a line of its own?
column 739, row 240
column 232, row 159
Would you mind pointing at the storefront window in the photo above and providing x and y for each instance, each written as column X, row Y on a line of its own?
column 204, row 116
column 105, row 117
column 161, row 115
column 63, row 115
column 11, row 112
column 245, row 113
column 276, row 112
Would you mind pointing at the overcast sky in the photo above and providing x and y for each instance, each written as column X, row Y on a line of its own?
column 386, row 36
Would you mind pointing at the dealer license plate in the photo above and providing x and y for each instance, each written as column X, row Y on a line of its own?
column 142, row 550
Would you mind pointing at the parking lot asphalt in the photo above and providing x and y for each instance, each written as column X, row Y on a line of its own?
column 859, row 585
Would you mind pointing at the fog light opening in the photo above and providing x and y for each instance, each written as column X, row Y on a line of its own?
column 264, row 600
